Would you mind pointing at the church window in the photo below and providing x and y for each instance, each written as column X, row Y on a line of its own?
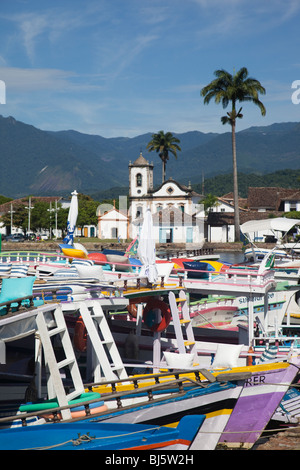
column 139, row 179
column 139, row 212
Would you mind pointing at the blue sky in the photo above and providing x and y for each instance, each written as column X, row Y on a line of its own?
column 127, row 67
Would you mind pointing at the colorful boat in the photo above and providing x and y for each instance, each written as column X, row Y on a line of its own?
column 263, row 390
column 215, row 400
column 217, row 316
column 261, row 396
column 102, row 436
column 288, row 411
column 74, row 251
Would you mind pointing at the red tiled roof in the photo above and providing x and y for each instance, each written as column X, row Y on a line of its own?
column 267, row 198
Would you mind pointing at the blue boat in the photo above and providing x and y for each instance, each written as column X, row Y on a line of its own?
column 288, row 411
column 102, row 436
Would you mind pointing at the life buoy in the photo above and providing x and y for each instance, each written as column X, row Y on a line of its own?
column 80, row 335
column 149, row 316
column 132, row 307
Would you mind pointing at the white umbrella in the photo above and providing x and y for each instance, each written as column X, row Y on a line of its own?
column 146, row 249
column 72, row 219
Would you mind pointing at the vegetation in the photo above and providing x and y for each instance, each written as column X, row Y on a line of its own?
column 226, row 89
column 292, row 215
column 222, row 184
column 87, row 208
column 214, row 187
column 209, row 202
column 42, row 218
column 4, row 199
column 164, row 144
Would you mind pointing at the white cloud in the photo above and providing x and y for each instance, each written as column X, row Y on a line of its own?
column 19, row 79
column 51, row 24
column 34, row 79
column 31, row 27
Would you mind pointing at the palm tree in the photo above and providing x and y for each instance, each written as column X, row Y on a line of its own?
column 227, row 88
column 164, row 144
column 209, row 202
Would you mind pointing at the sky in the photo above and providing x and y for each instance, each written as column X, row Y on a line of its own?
column 122, row 68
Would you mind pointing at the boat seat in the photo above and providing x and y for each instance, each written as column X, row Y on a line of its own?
column 19, row 270
column 269, row 354
column 5, row 270
column 13, row 289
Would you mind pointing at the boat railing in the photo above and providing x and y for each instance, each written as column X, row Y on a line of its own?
column 18, row 304
column 31, row 256
column 148, row 392
column 51, row 293
column 186, row 253
column 167, row 388
column 231, row 276
column 135, row 380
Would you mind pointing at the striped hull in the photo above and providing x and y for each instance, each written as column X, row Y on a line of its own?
column 216, row 405
column 260, row 397
column 101, row 436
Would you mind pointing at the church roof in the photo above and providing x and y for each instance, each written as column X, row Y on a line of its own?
column 141, row 161
column 184, row 188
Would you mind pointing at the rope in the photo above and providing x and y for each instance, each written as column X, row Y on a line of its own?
column 87, row 438
column 247, row 432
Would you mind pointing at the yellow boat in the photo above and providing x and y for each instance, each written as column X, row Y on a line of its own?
column 138, row 382
column 75, row 251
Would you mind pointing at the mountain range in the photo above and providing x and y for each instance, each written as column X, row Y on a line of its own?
column 38, row 162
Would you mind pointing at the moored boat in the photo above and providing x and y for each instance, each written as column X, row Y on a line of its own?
column 102, row 436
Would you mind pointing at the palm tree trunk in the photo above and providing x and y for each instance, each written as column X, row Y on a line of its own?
column 163, row 170
column 235, row 187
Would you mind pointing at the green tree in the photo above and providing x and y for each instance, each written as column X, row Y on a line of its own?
column 86, row 211
column 4, row 199
column 20, row 217
column 164, row 144
column 226, row 89
column 209, row 202
column 40, row 216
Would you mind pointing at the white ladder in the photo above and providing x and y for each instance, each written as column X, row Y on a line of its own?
column 187, row 345
column 105, row 354
column 47, row 330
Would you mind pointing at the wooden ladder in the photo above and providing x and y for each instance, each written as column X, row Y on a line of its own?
column 47, row 331
column 105, row 359
column 187, row 345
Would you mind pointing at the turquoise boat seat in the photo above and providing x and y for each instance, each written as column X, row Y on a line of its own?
column 16, row 288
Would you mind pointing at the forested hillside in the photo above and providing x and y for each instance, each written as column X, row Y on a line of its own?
column 42, row 163
column 223, row 184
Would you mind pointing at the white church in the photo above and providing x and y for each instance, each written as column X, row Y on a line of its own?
column 178, row 216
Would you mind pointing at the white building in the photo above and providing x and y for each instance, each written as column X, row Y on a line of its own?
column 177, row 214
column 176, row 209
column 292, row 202
column 220, row 229
column 112, row 224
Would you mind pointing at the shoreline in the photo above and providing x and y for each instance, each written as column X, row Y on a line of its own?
column 208, row 247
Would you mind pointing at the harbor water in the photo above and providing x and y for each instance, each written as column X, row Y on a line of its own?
column 231, row 257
